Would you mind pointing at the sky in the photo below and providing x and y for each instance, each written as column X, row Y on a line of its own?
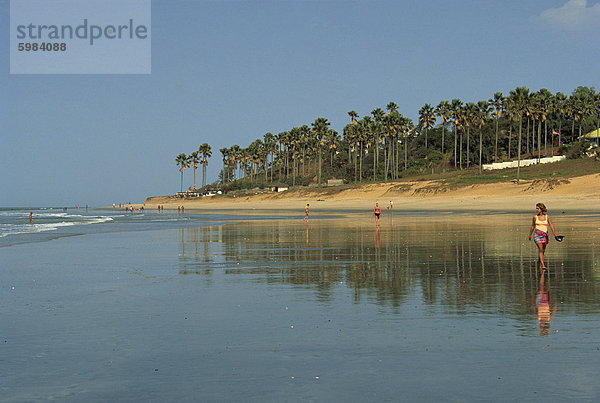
column 227, row 72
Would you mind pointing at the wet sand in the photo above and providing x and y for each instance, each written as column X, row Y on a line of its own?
column 429, row 307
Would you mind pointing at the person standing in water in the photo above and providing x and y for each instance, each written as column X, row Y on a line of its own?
column 539, row 229
column 306, row 211
column 31, row 217
column 377, row 213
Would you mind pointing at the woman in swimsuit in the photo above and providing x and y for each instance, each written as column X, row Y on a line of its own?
column 377, row 213
column 539, row 229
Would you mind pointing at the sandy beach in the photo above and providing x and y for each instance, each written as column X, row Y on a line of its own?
column 575, row 194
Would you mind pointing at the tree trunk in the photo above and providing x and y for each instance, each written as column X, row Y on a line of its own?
column 443, row 129
column 360, row 162
column 527, row 135
column 480, row 150
column 405, row 154
column 509, row 137
column 455, row 151
column 319, row 166
column 460, row 150
column 468, row 151
column 539, row 140
column 519, row 150
column 496, row 146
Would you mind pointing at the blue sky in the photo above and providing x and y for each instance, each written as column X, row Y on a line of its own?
column 227, row 72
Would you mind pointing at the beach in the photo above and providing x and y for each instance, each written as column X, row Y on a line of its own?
column 581, row 193
column 428, row 307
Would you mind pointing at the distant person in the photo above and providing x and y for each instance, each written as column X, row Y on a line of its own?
column 182, row 209
column 31, row 217
column 377, row 213
column 391, row 204
column 539, row 229
column 179, row 209
column 306, row 211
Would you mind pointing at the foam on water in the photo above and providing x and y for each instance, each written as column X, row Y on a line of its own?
column 14, row 222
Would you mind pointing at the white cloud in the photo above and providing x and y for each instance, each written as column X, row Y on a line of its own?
column 574, row 14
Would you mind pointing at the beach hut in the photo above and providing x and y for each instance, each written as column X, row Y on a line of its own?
column 279, row 187
column 594, row 136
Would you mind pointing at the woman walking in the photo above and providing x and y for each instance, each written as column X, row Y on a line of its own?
column 539, row 229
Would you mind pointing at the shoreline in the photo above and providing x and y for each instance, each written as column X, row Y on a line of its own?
column 579, row 194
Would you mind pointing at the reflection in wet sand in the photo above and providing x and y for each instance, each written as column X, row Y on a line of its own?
column 542, row 306
column 464, row 264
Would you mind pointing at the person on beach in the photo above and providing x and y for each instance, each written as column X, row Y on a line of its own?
column 306, row 210
column 31, row 217
column 377, row 213
column 539, row 229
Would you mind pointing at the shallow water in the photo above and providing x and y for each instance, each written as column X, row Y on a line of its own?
column 431, row 307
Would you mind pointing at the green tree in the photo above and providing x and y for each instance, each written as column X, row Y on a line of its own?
column 182, row 162
column 319, row 129
column 426, row 119
column 443, row 110
column 205, row 152
column 194, row 159
column 270, row 143
column 498, row 104
column 353, row 116
column 520, row 98
column 482, row 115
column 456, row 107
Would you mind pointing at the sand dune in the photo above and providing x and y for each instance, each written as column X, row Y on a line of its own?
column 579, row 193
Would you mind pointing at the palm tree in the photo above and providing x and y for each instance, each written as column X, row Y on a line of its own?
column 194, row 159
column 481, row 117
column 351, row 137
column 511, row 112
column 471, row 110
column 455, row 110
column 520, row 97
column 560, row 108
column 182, row 162
column 319, row 129
column 205, row 152
column 443, row 111
column 235, row 154
column 331, row 141
column 546, row 98
column 353, row 115
column 378, row 115
column 426, row 119
column 498, row 104
column 270, row 143
column 225, row 153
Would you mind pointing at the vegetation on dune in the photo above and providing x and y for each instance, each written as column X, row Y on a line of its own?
column 453, row 138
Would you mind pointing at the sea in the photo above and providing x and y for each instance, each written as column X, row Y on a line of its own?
column 108, row 305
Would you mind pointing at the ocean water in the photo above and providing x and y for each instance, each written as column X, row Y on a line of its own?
column 212, row 307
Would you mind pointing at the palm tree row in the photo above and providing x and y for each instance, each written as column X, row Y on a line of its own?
column 199, row 156
column 385, row 145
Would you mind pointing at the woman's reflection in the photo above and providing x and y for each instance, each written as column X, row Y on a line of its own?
column 377, row 238
column 542, row 307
